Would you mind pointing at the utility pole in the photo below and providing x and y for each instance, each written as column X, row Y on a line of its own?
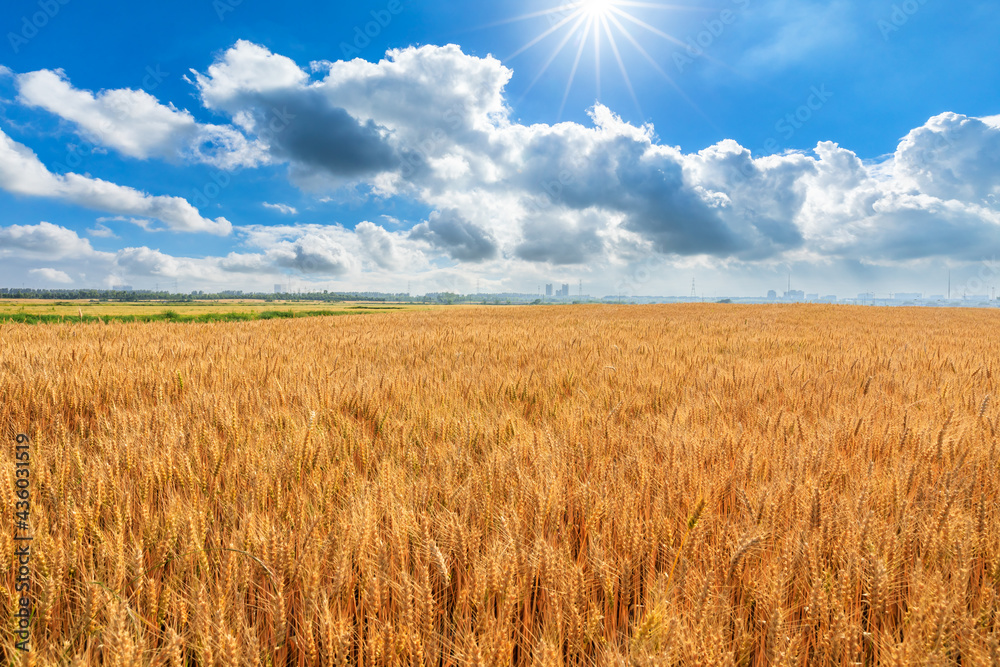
column 949, row 285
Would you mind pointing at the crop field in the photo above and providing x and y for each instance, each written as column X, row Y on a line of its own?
column 578, row 485
column 84, row 311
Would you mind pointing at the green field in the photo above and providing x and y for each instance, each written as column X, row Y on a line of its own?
column 51, row 312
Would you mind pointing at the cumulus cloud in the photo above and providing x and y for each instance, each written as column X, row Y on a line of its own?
column 43, row 240
column 136, row 124
column 22, row 173
column 269, row 96
column 563, row 239
column 52, row 276
column 459, row 238
column 380, row 245
column 952, row 157
column 316, row 255
column 431, row 126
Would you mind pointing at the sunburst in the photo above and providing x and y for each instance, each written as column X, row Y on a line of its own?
column 599, row 23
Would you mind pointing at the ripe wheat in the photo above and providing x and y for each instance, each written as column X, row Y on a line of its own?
column 552, row 486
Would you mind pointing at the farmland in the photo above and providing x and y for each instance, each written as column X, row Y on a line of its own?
column 227, row 310
column 579, row 485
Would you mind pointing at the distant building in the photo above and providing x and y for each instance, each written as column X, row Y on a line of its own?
column 795, row 295
column 772, row 295
column 279, row 289
column 548, row 290
column 812, row 297
column 908, row 296
column 564, row 291
column 122, row 288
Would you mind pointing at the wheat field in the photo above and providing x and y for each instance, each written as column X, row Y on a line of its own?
column 585, row 485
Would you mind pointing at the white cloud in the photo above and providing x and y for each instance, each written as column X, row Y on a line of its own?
column 381, row 245
column 284, row 209
column 52, row 276
column 246, row 69
column 43, row 240
column 101, row 231
column 951, row 157
column 134, row 123
column 144, row 223
column 511, row 202
column 21, row 172
column 450, row 232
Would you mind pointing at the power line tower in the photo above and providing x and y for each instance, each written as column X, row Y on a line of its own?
column 694, row 291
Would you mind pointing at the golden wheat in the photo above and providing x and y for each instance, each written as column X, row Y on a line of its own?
column 553, row 486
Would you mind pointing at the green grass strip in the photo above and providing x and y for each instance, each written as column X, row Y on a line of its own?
column 168, row 316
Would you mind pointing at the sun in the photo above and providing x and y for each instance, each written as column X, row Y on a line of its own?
column 597, row 8
column 601, row 25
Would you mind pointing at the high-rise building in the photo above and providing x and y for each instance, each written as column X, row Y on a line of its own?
column 565, row 289
column 548, row 290
column 279, row 289
column 771, row 294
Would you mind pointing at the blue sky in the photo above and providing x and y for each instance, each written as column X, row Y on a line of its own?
column 852, row 144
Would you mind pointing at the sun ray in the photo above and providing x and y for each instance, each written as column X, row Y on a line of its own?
column 642, row 51
column 660, row 33
column 555, row 53
column 576, row 65
column 597, row 56
column 588, row 19
column 660, row 5
column 571, row 6
column 669, row 79
column 621, row 64
column 643, row 24
column 545, row 34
